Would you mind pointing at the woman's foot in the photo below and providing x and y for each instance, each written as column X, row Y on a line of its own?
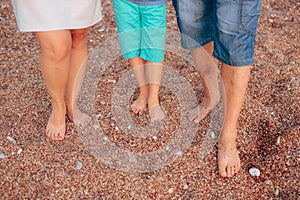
column 139, row 105
column 56, row 126
column 228, row 158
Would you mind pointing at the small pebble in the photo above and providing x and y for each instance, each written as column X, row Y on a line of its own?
column 167, row 148
column 105, row 138
column 117, row 128
column 267, row 181
column 154, row 137
column 99, row 115
column 101, row 29
column 185, row 186
column 276, row 192
column 278, row 140
column 96, row 126
column 254, row 171
column 129, row 127
column 19, row 151
column 171, row 190
column 112, row 81
column 11, row 139
column 78, row 165
column 179, row 153
column 212, row 135
column 2, row 155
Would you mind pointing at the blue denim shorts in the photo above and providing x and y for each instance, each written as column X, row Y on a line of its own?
column 230, row 24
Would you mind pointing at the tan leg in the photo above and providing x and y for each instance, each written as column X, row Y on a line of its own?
column 138, row 68
column 235, row 82
column 55, row 56
column 209, row 77
column 78, row 59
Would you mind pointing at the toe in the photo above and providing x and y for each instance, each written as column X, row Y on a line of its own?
column 197, row 120
column 237, row 167
column 229, row 171
column 223, row 173
column 54, row 135
column 222, row 170
column 48, row 133
column 192, row 118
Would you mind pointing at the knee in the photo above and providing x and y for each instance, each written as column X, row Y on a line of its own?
column 79, row 38
column 58, row 53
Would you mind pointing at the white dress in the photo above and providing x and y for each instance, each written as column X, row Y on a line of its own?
column 48, row 15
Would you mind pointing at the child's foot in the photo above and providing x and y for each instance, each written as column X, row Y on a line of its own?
column 156, row 113
column 56, row 126
column 81, row 119
column 139, row 105
column 200, row 111
column 228, row 158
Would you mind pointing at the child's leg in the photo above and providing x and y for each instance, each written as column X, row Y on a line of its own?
column 129, row 33
column 137, row 66
column 153, row 20
column 154, row 74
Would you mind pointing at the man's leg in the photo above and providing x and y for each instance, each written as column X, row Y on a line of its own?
column 207, row 68
column 235, row 81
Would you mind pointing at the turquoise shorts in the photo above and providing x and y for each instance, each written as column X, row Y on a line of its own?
column 141, row 30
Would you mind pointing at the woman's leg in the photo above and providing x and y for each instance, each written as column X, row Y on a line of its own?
column 55, row 60
column 78, row 61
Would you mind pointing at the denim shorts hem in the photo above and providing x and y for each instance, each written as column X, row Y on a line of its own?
column 234, row 63
column 195, row 46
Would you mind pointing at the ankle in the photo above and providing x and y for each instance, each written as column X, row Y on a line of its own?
column 58, row 107
column 152, row 100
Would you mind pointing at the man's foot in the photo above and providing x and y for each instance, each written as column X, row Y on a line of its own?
column 228, row 158
column 200, row 111
column 79, row 118
column 139, row 105
column 56, row 126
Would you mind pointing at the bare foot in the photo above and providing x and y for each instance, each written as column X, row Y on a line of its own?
column 228, row 158
column 139, row 105
column 79, row 118
column 200, row 111
column 156, row 113
column 56, row 126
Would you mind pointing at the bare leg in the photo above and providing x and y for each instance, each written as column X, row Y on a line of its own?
column 78, row 59
column 235, row 82
column 209, row 79
column 138, row 68
column 154, row 74
column 55, row 56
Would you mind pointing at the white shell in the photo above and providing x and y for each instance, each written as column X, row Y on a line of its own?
column 254, row 171
column 78, row 165
column 11, row 139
